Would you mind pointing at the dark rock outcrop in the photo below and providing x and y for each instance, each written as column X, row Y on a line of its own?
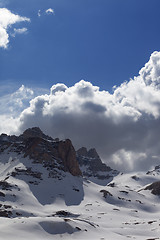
column 106, row 193
column 66, row 152
column 43, row 149
column 92, row 165
column 154, row 187
column 34, row 132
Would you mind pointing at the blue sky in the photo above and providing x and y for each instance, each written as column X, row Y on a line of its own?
column 102, row 41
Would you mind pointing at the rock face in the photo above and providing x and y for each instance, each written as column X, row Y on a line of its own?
column 154, row 187
column 91, row 164
column 67, row 153
column 34, row 132
column 43, row 149
column 155, row 171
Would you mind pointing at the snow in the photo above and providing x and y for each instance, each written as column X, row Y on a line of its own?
column 75, row 208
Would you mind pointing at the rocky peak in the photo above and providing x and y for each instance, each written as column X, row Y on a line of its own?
column 91, row 164
column 92, row 153
column 34, row 132
column 43, row 149
column 82, row 152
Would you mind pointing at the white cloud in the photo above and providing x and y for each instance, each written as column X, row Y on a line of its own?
column 11, row 105
column 7, row 18
column 123, row 126
column 39, row 13
column 9, row 124
column 4, row 38
column 50, row 11
column 19, row 31
column 150, row 73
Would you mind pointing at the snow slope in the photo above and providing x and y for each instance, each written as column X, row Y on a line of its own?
column 72, row 207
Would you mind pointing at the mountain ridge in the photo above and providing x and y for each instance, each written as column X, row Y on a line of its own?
column 49, row 191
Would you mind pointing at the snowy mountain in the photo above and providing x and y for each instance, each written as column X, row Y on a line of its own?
column 50, row 191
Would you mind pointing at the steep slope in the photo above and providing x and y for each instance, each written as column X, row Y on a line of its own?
column 92, row 167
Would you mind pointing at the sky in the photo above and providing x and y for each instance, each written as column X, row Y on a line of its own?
column 88, row 70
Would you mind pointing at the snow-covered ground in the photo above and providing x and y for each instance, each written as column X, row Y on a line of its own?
column 66, row 207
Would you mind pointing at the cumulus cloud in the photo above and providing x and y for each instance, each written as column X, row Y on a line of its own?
column 7, row 19
column 124, row 126
column 150, row 73
column 50, row 11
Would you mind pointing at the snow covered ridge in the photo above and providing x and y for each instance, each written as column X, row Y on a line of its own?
column 52, row 152
column 50, row 191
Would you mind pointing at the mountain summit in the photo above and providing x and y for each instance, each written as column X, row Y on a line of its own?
column 43, row 149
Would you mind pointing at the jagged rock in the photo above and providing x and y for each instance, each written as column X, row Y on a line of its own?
column 92, row 165
column 2, row 194
column 34, row 132
column 82, row 152
column 5, row 185
column 92, row 153
column 5, row 213
column 61, row 154
column 39, row 149
column 43, row 149
column 67, row 153
column 106, row 193
column 154, row 187
column 155, row 171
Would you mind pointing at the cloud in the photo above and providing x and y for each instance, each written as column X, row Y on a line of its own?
column 150, row 73
column 11, row 105
column 19, row 31
column 4, row 38
column 50, row 11
column 9, row 124
column 39, row 13
column 14, row 103
column 7, row 19
column 123, row 126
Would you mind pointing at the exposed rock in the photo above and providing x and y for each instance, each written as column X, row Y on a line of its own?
column 92, row 153
column 154, row 187
column 5, row 213
column 27, row 172
column 2, row 194
column 67, row 153
column 57, row 154
column 5, row 185
column 155, row 171
column 92, row 165
column 106, row 193
column 34, row 132
column 135, row 178
column 63, row 213
column 82, row 152
column 92, row 159
column 52, row 153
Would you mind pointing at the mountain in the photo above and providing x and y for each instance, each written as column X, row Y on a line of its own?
column 92, row 167
column 50, row 191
